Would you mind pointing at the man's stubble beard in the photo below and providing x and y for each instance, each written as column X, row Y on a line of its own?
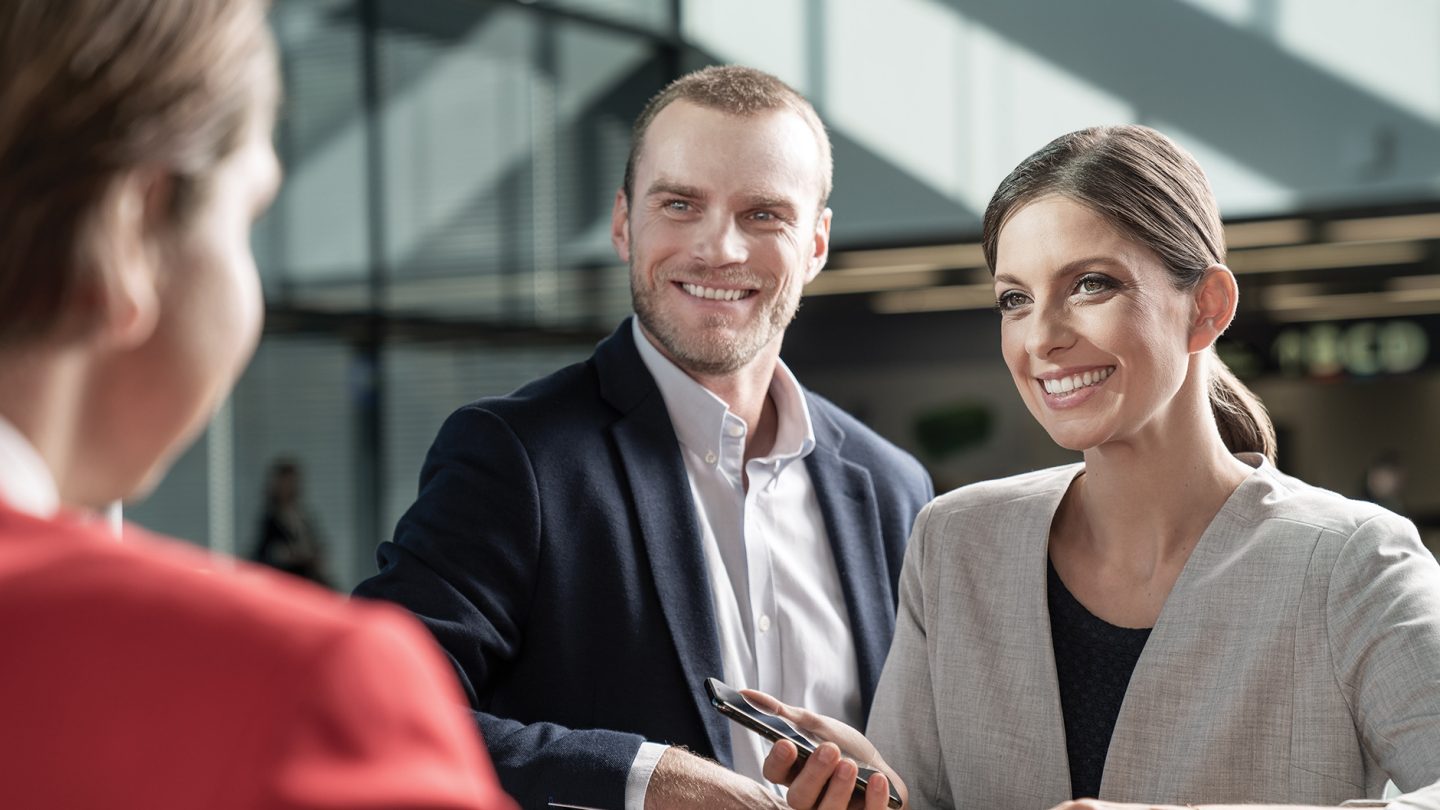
column 709, row 353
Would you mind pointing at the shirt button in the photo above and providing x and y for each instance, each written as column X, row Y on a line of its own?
column 735, row 431
column 764, row 623
column 709, row 458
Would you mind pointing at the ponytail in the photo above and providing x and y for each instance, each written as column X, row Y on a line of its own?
column 1244, row 424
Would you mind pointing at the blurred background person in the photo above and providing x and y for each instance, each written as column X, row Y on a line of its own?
column 289, row 536
column 134, row 155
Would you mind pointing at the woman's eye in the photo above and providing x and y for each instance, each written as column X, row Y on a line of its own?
column 1091, row 285
column 1010, row 300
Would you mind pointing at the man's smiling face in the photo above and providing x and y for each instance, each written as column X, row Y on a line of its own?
column 725, row 230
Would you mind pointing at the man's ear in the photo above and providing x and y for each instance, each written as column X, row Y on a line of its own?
column 620, row 226
column 1215, row 299
column 821, row 253
column 128, row 250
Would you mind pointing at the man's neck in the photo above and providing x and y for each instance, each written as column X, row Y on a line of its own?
column 745, row 391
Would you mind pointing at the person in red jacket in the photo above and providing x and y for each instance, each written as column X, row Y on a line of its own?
column 138, row 673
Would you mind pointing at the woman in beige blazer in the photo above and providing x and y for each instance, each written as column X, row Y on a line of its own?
column 1173, row 621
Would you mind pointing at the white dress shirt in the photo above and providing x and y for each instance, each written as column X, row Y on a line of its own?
column 781, row 615
column 26, row 483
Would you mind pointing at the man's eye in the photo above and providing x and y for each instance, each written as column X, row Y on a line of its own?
column 678, row 205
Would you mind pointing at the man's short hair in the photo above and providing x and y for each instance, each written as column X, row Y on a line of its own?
column 733, row 90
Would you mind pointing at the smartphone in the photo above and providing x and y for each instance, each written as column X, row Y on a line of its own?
column 774, row 728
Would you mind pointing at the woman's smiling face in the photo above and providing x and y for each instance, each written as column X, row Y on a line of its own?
column 1093, row 329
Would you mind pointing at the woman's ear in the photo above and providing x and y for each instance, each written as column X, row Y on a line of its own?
column 1216, row 297
column 127, row 249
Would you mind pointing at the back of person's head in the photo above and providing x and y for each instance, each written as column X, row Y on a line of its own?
column 90, row 91
column 733, row 90
column 1153, row 192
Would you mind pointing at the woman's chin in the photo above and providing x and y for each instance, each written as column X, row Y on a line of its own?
column 1074, row 440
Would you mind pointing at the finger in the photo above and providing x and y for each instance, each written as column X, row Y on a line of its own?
column 840, row 788
column 763, row 700
column 877, row 793
column 779, row 765
column 802, row 717
column 809, row 784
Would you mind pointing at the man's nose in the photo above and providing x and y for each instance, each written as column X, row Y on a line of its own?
column 719, row 242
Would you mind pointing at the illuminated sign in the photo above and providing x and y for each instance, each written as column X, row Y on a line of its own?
column 1360, row 348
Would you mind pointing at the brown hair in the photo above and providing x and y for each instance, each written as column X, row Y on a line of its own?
column 733, row 90
column 1154, row 192
column 93, row 89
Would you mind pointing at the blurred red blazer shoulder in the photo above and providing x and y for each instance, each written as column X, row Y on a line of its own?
column 150, row 674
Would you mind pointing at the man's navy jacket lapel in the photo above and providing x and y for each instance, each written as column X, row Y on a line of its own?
column 669, row 526
column 852, row 520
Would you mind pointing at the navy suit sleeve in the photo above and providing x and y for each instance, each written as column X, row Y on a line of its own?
column 464, row 560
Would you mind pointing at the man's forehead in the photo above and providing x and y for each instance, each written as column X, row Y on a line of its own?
column 758, row 155
column 687, row 119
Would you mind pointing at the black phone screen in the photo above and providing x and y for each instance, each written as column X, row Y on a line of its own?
column 729, row 702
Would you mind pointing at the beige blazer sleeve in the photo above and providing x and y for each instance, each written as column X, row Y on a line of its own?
column 1383, row 623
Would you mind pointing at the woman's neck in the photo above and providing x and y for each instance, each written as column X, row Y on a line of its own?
column 40, row 396
column 1143, row 502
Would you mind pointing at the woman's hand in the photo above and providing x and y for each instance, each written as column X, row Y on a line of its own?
column 826, row 781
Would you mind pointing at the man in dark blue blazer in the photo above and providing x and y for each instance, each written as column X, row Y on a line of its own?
column 572, row 546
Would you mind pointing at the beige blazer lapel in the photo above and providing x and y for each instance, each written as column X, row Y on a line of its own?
column 1205, row 688
column 1013, row 758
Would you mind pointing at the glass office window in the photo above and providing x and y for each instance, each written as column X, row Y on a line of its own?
column 313, row 245
column 504, row 137
column 653, row 15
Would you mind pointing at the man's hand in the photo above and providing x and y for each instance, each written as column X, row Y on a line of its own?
column 683, row 781
column 827, row 779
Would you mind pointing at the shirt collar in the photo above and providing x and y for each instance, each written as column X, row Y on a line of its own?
column 795, row 434
column 699, row 415
column 26, row 483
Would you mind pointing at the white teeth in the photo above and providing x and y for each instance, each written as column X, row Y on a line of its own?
column 1065, row 385
column 713, row 293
